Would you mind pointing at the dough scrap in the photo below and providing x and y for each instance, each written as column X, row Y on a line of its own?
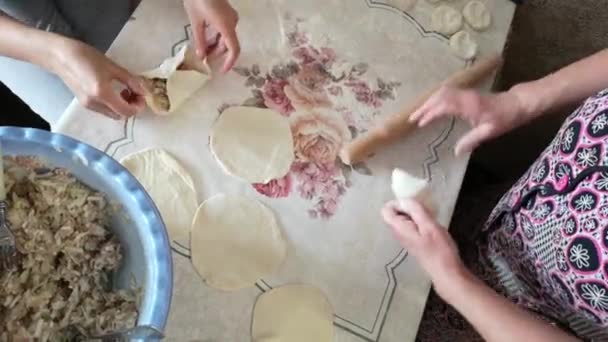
column 404, row 5
column 406, row 186
column 463, row 45
column 174, row 81
column 294, row 313
column 235, row 241
column 477, row 15
column 446, row 20
column 253, row 144
column 170, row 187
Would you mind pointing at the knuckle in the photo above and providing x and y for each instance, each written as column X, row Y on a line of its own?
column 96, row 90
column 87, row 101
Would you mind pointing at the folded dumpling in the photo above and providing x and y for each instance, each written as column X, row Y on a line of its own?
column 175, row 80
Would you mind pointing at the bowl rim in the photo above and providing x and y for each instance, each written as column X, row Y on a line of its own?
column 155, row 241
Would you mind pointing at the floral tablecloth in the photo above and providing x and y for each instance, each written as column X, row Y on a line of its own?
column 333, row 68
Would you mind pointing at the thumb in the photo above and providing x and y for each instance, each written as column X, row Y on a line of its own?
column 200, row 39
column 473, row 138
column 134, row 83
column 418, row 213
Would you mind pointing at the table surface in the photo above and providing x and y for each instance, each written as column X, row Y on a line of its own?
column 367, row 59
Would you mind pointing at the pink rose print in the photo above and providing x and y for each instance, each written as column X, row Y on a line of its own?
column 364, row 94
column 297, row 39
column 306, row 89
column 318, row 136
column 276, row 188
column 309, row 55
column 275, row 98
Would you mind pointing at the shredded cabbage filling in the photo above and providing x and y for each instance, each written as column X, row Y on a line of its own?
column 61, row 288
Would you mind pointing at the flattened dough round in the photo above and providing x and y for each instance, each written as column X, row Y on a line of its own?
column 446, row 20
column 463, row 45
column 170, row 186
column 477, row 15
column 294, row 313
column 235, row 241
column 253, row 144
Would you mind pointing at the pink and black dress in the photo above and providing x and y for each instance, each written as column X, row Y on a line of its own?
column 547, row 239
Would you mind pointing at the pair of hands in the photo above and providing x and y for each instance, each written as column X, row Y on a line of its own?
column 105, row 87
column 430, row 243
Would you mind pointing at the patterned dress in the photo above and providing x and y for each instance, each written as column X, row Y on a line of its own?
column 547, row 239
column 545, row 245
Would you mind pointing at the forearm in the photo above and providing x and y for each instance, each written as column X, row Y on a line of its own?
column 495, row 317
column 28, row 44
column 569, row 85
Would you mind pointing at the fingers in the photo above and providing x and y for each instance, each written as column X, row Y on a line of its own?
column 231, row 41
column 118, row 104
column 219, row 49
column 134, row 83
column 418, row 213
column 100, row 108
column 430, row 103
column 473, row 139
column 200, row 39
column 133, row 99
column 404, row 229
column 436, row 111
column 447, row 102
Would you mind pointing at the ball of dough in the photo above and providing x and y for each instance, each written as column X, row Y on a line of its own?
column 253, row 144
column 406, row 186
column 463, row 45
column 235, row 241
column 477, row 15
column 294, row 313
column 446, row 20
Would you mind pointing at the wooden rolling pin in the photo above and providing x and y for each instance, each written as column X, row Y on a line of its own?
column 397, row 125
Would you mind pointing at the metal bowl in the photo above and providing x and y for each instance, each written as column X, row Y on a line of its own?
column 142, row 233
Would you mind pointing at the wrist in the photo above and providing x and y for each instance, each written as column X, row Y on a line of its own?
column 57, row 51
column 528, row 101
column 454, row 284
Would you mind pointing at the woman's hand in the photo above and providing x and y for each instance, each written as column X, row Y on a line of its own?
column 93, row 77
column 489, row 115
column 218, row 15
column 426, row 240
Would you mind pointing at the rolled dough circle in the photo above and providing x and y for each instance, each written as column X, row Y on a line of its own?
column 170, row 187
column 446, row 20
column 463, row 45
column 253, row 144
column 477, row 15
column 235, row 241
column 294, row 313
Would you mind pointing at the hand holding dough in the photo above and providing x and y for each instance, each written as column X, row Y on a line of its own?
column 235, row 241
column 446, row 20
column 293, row 313
column 174, row 81
column 406, row 186
column 477, row 15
